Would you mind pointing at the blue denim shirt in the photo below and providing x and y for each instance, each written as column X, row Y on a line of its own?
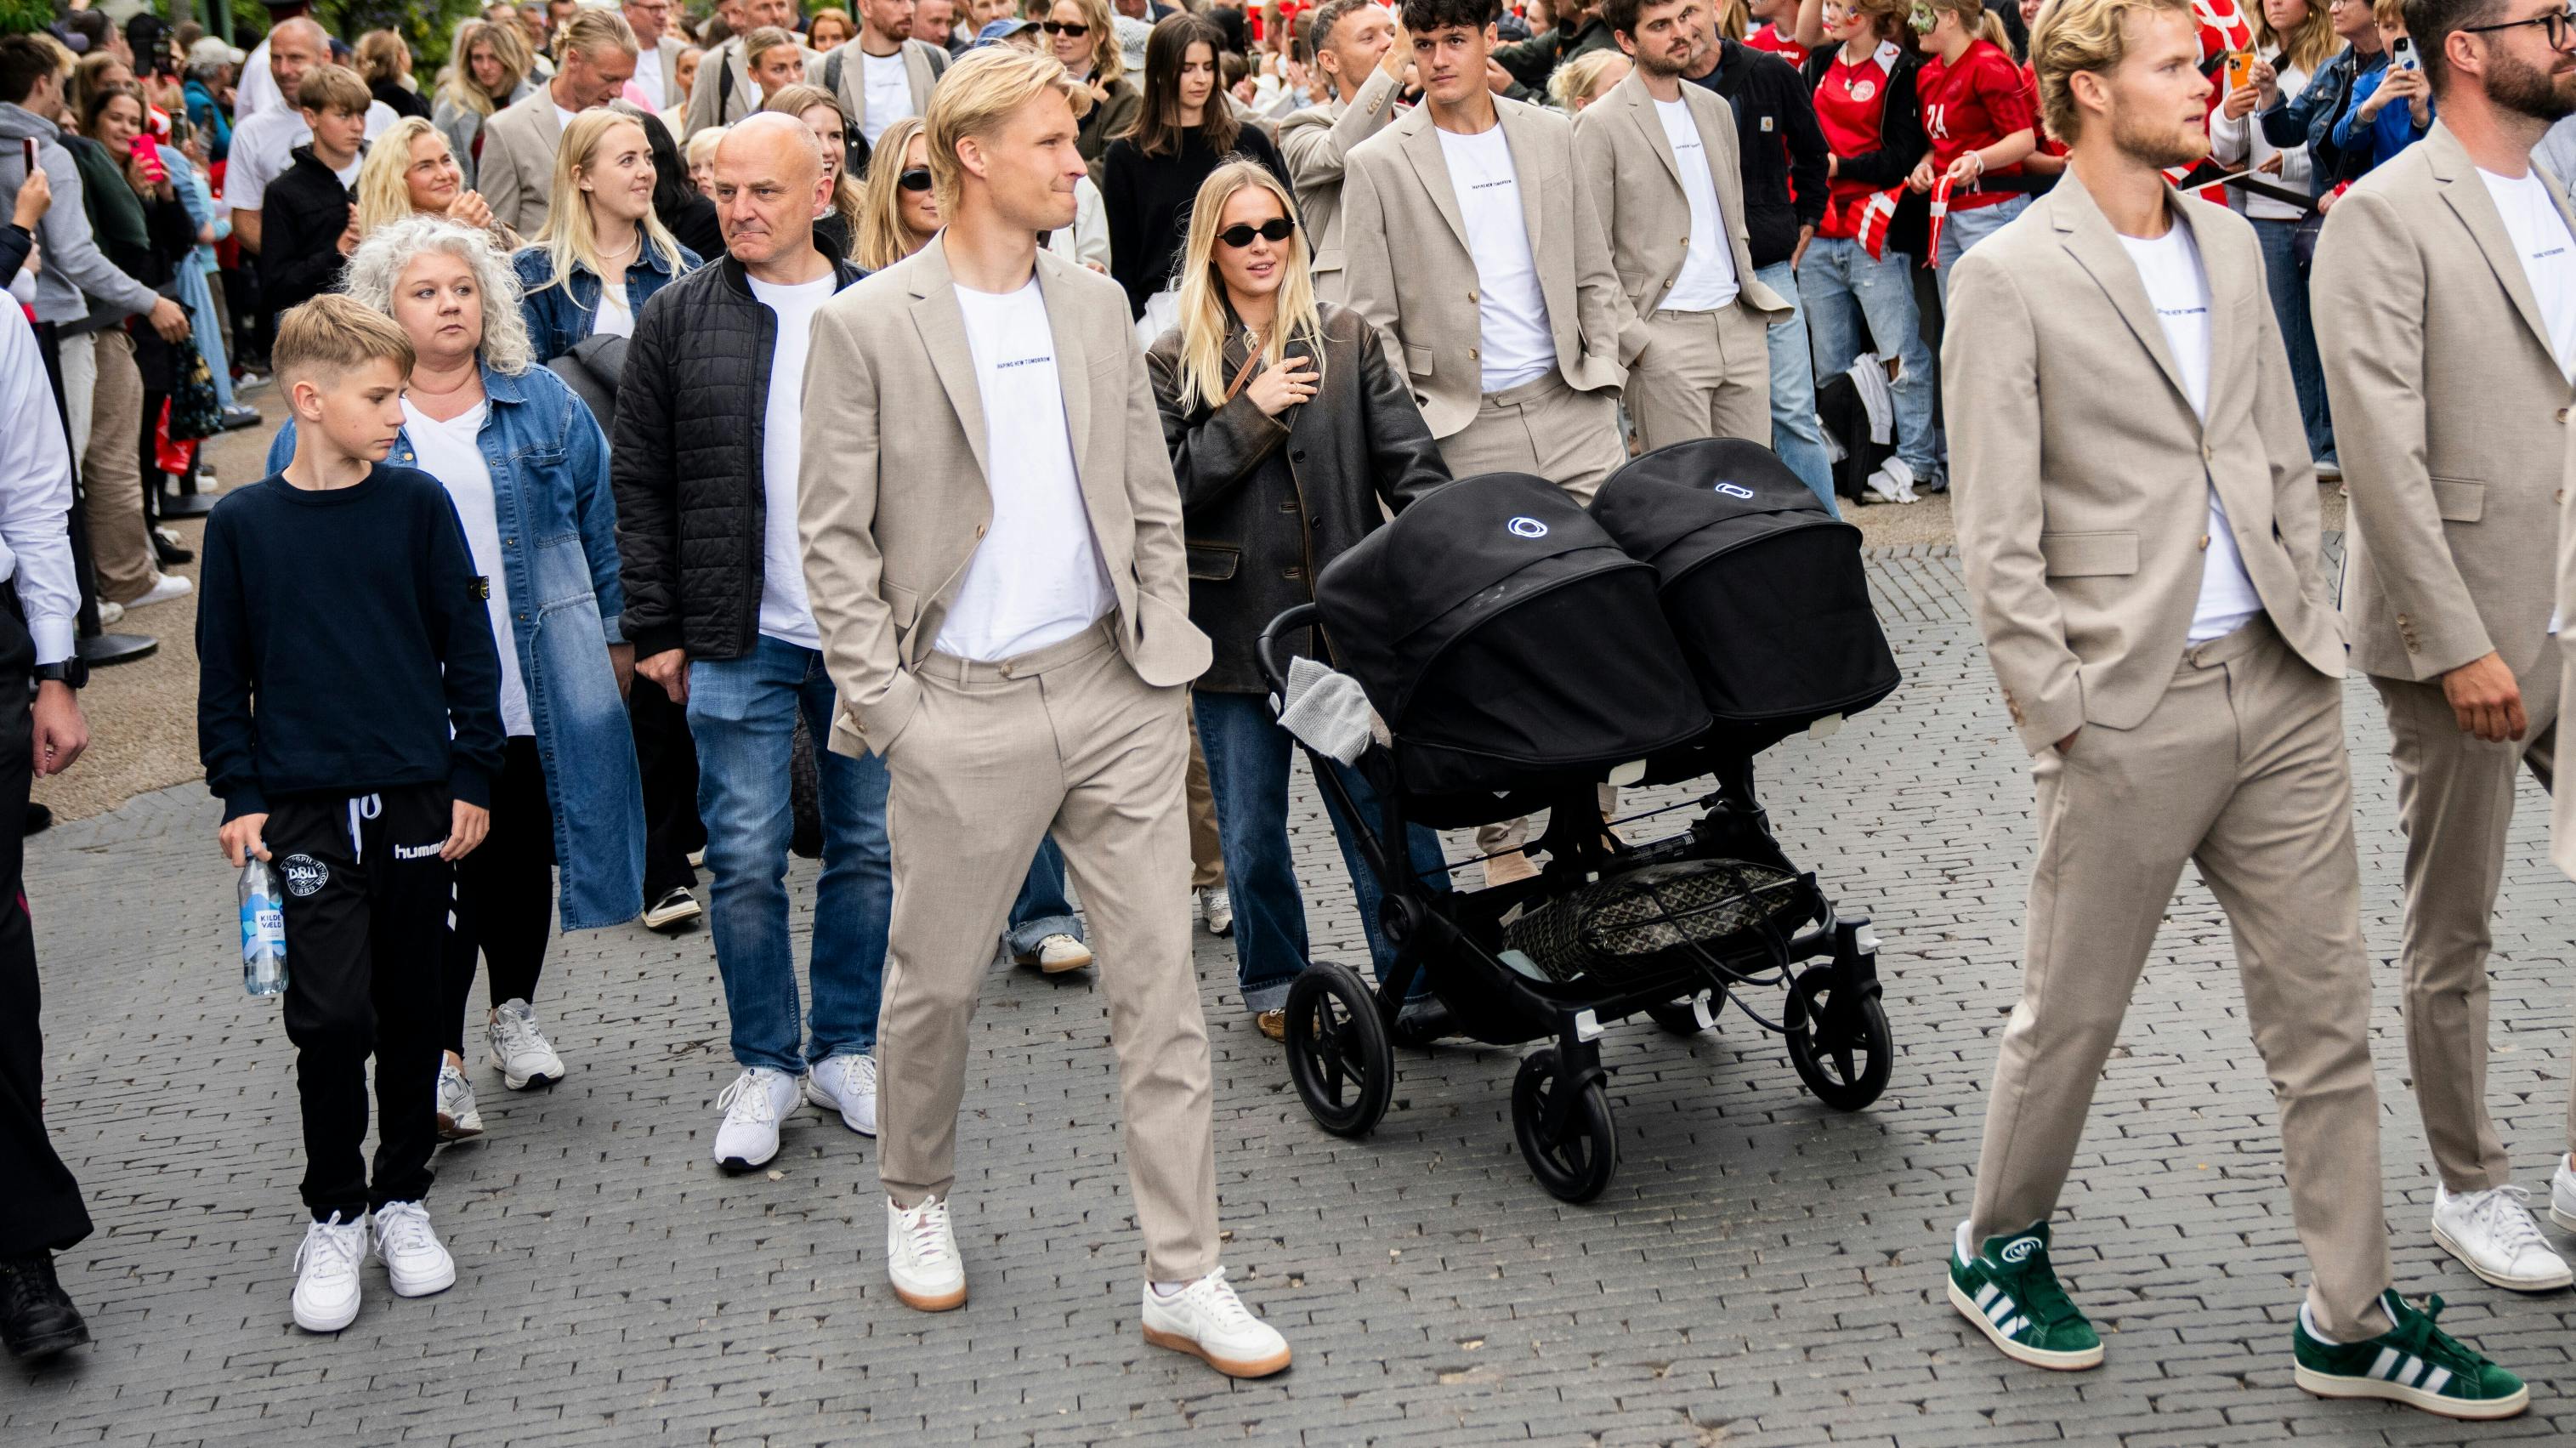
column 2308, row 118
column 559, row 317
column 558, row 526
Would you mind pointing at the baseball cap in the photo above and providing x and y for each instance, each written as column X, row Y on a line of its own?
column 1002, row 30
column 212, row 50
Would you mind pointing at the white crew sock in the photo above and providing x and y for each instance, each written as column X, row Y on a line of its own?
column 2308, row 1320
column 1170, row 1289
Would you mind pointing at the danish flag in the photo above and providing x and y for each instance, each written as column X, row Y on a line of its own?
column 1940, row 214
column 1870, row 216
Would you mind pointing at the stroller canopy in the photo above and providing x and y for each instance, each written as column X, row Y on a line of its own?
column 1764, row 589
column 1501, row 633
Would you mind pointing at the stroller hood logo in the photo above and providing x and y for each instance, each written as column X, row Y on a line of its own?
column 304, row 875
column 2019, row 1249
column 1735, row 490
column 1527, row 528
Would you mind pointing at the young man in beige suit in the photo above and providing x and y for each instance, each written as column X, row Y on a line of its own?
column 2447, row 345
column 1665, row 169
column 2138, row 525
column 517, row 172
column 993, row 551
column 1362, row 53
column 725, row 91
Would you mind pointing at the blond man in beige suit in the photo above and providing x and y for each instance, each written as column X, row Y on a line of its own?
column 517, row 172
column 2447, row 347
column 2138, row 524
column 993, row 553
column 1666, row 175
column 1357, row 48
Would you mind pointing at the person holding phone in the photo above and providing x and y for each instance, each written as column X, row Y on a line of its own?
column 2392, row 107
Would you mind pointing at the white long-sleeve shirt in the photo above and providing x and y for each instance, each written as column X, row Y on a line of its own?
column 2240, row 142
column 35, row 493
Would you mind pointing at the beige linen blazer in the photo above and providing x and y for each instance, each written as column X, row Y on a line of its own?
column 2562, row 802
column 517, row 172
column 744, row 96
column 1408, row 269
column 854, row 78
column 2080, row 475
column 1636, row 184
column 892, row 496
column 1315, row 142
column 2450, row 417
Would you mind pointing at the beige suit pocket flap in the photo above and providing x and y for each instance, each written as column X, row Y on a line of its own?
column 1417, row 360
column 2079, row 555
column 2458, row 500
column 903, row 604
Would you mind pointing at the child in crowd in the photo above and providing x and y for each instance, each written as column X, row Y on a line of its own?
column 342, row 642
column 2392, row 107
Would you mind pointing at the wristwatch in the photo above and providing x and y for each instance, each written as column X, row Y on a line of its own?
column 73, row 671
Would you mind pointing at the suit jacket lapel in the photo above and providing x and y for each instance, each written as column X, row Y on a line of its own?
column 943, row 333
column 1641, row 110
column 1422, row 148
column 1073, row 378
column 2087, row 235
column 549, row 128
column 2470, row 200
column 916, row 68
column 1522, row 181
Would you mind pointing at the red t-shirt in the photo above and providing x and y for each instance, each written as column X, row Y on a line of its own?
column 2048, row 145
column 1851, row 104
column 1970, row 105
column 1763, row 35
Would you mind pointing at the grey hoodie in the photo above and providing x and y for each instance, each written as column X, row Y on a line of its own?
column 75, row 274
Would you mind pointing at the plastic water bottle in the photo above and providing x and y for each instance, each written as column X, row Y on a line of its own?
column 263, row 931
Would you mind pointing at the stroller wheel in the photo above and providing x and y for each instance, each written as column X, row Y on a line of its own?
column 1337, row 1050
column 1683, row 1017
column 1845, row 1061
column 1578, row 1165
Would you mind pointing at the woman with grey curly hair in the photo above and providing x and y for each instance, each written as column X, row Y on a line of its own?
column 527, row 469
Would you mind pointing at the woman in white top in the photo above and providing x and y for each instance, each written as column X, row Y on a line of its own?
column 603, row 252
column 2294, row 40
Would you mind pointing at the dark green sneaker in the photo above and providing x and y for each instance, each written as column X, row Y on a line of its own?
column 2010, row 1292
column 2414, row 1363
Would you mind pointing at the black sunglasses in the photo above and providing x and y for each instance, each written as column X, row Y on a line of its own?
column 2555, row 27
column 1060, row 27
column 915, row 179
column 1276, row 229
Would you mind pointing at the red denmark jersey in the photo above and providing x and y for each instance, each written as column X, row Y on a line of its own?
column 1766, row 36
column 1851, row 106
column 1971, row 105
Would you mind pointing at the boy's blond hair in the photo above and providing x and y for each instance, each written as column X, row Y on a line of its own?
column 332, row 336
column 334, row 88
column 2389, row 14
column 975, row 96
column 2080, row 35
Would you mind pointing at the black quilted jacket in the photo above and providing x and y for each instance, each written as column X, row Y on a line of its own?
column 685, row 459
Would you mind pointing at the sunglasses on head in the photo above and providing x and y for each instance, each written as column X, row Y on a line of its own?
column 1074, row 28
column 914, row 178
column 1276, row 229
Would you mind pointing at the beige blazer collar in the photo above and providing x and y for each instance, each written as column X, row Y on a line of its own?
column 942, row 325
column 2470, row 200
column 1421, row 142
column 1650, row 127
column 2087, row 235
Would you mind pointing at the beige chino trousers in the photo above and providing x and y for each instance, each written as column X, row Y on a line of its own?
column 120, row 542
column 2241, row 769
column 1545, row 428
column 1703, row 374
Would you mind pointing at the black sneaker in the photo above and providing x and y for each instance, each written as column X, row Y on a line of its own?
column 2414, row 1363
column 37, row 1318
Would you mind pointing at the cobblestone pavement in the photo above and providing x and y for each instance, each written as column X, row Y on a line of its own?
column 1763, row 1271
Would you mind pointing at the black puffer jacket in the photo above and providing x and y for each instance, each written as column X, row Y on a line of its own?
column 685, row 458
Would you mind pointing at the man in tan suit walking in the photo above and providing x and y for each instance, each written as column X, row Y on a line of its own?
column 517, row 172
column 880, row 75
column 1666, row 174
column 993, row 553
column 724, row 91
column 2447, row 346
column 2138, row 525
column 1363, row 53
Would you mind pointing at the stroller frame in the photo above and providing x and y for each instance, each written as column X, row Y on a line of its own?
column 1340, row 1029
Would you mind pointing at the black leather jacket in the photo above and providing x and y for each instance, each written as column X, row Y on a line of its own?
column 1266, row 502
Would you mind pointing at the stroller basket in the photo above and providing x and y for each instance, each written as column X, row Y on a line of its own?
column 1651, row 922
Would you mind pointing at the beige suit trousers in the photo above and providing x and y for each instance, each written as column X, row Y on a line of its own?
column 1064, row 739
column 1703, row 374
column 2455, row 802
column 120, row 542
column 1546, row 428
column 2240, row 768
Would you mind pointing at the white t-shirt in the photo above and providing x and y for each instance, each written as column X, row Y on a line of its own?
column 784, row 613
column 1036, row 578
column 888, row 92
column 1707, row 281
column 2178, row 288
column 1511, row 311
column 2548, row 254
column 564, row 120
column 616, row 319
column 648, row 77
column 449, row 452
column 264, row 144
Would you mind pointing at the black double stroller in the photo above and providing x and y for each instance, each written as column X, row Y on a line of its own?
column 1521, row 651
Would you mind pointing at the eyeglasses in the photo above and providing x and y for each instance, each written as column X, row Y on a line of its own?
column 1076, row 29
column 916, row 178
column 2555, row 26
column 1276, row 229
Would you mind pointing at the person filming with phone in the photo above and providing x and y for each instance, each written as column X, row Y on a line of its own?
column 2392, row 107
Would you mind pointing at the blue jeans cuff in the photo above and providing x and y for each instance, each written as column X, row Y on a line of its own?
column 1022, row 939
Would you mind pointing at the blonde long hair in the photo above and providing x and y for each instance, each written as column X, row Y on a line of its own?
column 1206, row 318
column 568, row 237
column 507, row 48
column 1980, row 22
column 793, row 101
column 384, row 178
column 882, row 239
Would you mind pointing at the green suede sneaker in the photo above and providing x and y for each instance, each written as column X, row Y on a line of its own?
column 2414, row 1363
column 2010, row 1292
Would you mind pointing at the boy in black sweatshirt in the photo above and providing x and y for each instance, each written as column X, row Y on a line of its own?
column 308, row 217
column 349, row 717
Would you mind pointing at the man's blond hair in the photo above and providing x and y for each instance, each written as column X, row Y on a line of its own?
column 589, row 32
column 332, row 336
column 2080, row 35
column 326, row 89
column 977, row 95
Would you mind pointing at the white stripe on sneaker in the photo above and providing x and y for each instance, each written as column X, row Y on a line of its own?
column 2014, row 1327
column 2386, row 1367
column 1987, row 1294
column 2435, row 1383
column 2001, row 1309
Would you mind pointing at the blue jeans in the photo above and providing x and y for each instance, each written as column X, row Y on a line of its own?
column 1042, row 910
column 1247, row 758
column 1794, row 433
column 2289, row 289
column 1964, row 229
column 743, row 715
column 1839, row 287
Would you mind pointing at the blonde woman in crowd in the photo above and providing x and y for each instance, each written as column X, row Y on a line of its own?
column 384, row 63
column 1586, row 78
column 702, row 158
column 410, row 171
column 775, row 60
column 1082, row 36
column 898, row 213
column 603, row 252
column 837, row 233
column 490, row 73
column 828, row 27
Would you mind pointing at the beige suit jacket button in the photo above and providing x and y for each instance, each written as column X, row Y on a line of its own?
column 2562, row 414
column 2207, row 453
column 1472, row 354
column 2204, row 542
column 1471, row 296
column 979, row 530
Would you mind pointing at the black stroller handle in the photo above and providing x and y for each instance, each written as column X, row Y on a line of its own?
column 1264, row 649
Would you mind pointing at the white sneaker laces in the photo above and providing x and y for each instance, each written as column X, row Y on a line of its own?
column 335, row 1248
column 520, row 1036
column 2504, row 1214
column 402, row 1228
column 928, row 1230
column 746, row 1102
column 1217, row 1300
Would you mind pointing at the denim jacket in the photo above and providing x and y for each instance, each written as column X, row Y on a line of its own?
column 560, row 316
column 558, row 526
column 2308, row 118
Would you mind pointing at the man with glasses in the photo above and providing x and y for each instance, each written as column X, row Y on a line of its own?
column 2448, row 353
column 657, row 52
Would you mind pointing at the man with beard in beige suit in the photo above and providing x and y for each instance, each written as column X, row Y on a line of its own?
column 993, row 553
column 2138, row 525
column 517, row 172
column 1666, row 175
column 880, row 75
column 2447, row 347
column 1363, row 53
column 725, row 91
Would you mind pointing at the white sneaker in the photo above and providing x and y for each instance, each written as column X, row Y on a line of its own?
column 457, row 1118
column 520, row 1048
column 411, row 1252
column 676, row 908
column 2562, row 1196
column 2493, row 1234
column 752, row 1106
column 1217, row 908
column 165, row 588
column 1206, row 1320
column 326, row 1274
column 1892, row 483
column 847, row 1083
column 921, row 1257
column 109, row 613
column 1057, row 954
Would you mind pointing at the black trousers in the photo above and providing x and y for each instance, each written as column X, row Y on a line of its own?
column 505, row 893
column 668, row 756
column 366, row 899
column 40, row 1203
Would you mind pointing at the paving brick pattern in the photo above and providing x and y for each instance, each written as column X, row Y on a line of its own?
column 1764, row 1271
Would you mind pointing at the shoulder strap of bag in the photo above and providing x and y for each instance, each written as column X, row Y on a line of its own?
column 724, row 87
column 1243, row 374
column 832, row 72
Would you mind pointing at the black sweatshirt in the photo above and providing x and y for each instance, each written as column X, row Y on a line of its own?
column 1775, row 124
column 301, row 216
column 342, row 633
column 1148, row 201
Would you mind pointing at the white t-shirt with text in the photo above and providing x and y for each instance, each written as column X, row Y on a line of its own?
column 1707, row 280
column 784, row 613
column 2548, row 253
column 888, row 91
column 1516, row 347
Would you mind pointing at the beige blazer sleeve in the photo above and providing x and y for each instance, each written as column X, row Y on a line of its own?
column 836, row 514
column 1603, row 307
column 1315, row 151
column 517, row 198
column 1154, row 498
column 1596, row 158
column 1368, row 265
column 2294, row 475
column 2562, row 802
